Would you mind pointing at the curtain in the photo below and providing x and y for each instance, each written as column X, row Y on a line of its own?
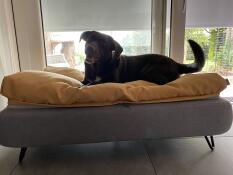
column 107, row 15
column 209, row 13
column 8, row 49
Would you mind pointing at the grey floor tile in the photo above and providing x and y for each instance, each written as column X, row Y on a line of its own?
column 122, row 158
column 191, row 156
column 8, row 160
column 228, row 133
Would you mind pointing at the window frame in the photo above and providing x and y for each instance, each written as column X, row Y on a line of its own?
column 178, row 14
column 30, row 33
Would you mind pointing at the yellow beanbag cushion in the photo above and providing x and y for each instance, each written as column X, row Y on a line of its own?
column 37, row 87
column 46, row 88
column 73, row 73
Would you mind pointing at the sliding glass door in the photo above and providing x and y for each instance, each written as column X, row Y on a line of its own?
column 210, row 23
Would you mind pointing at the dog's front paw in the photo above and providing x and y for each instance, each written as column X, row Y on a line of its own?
column 85, row 82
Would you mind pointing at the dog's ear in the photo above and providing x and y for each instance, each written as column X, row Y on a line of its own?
column 117, row 49
column 86, row 35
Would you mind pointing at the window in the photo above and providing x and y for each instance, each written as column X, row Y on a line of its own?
column 209, row 22
column 127, row 21
column 217, row 43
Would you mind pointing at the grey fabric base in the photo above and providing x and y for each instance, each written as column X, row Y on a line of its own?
column 24, row 126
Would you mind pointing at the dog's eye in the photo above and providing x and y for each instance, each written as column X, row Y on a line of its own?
column 89, row 50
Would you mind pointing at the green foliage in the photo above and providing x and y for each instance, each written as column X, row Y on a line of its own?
column 137, row 42
column 198, row 34
column 217, row 44
column 212, row 42
column 79, row 57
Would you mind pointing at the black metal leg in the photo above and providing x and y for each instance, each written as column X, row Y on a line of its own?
column 22, row 154
column 210, row 142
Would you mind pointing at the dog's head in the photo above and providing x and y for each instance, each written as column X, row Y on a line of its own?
column 102, row 52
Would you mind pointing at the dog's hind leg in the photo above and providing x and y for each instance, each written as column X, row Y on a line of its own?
column 148, row 73
column 155, row 78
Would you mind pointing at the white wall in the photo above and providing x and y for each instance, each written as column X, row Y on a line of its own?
column 3, row 100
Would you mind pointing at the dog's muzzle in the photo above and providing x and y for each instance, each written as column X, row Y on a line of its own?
column 91, row 60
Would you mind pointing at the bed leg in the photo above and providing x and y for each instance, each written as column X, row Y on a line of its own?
column 210, row 142
column 22, row 154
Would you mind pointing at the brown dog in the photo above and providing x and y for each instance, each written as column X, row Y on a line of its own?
column 104, row 62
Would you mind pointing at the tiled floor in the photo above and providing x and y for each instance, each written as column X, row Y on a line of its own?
column 180, row 156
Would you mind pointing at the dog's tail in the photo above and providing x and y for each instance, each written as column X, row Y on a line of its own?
column 199, row 60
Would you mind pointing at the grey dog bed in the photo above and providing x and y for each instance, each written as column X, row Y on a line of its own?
column 28, row 126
